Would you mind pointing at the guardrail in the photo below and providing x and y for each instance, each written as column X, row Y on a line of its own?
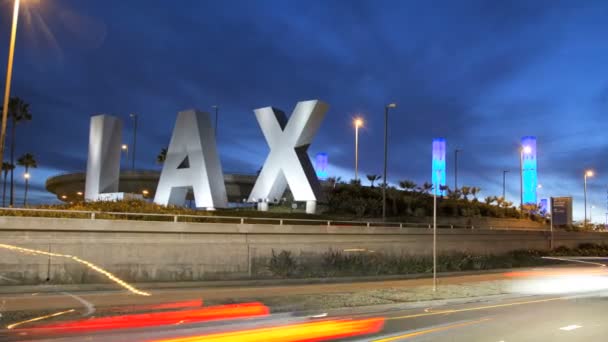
column 93, row 215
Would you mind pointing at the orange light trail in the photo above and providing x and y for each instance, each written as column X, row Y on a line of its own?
column 212, row 313
column 81, row 261
column 301, row 332
column 11, row 326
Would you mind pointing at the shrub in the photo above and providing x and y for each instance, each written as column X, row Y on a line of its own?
column 282, row 264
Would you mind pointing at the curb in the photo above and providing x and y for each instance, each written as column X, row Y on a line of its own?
column 15, row 289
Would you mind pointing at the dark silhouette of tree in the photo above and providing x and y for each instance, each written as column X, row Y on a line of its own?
column 28, row 161
column 407, row 185
column 6, row 168
column 18, row 111
column 162, row 156
column 373, row 178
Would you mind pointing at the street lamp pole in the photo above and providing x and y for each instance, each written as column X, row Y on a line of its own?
column 504, row 177
column 358, row 123
column 134, row 116
column 217, row 108
column 390, row 105
column 456, row 169
column 588, row 173
column 9, row 75
column 435, row 232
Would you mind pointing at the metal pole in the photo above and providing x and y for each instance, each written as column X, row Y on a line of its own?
column 134, row 116
column 9, row 75
column 585, row 192
column 521, row 182
column 456, row 169
column 385, row 159
column 217, row 108
column 551, row 221
column 435, row 237
column 504, row 176
column 356, row 152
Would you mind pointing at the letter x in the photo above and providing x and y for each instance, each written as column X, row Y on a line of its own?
column 288, row 162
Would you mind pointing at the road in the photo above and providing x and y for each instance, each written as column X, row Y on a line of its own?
column 524, row 319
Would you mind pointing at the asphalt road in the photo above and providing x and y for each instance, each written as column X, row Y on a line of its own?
column 525, row 319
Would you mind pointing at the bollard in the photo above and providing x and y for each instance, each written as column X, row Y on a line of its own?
column 367, row 224
column 92, row 216
column 175, row 218
column 280, row 222
column 400, row 225
column 451, row 226
column 242, row 220
column 328, row 223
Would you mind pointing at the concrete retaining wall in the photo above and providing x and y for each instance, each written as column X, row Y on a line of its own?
column 167, row 251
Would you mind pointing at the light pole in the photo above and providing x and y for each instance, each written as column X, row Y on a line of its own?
column 217, row 108
column 504, row 178
column 591, row 213
column 390, row 105
column 358, row 123
column 26, row 176
column 523, row 150
column 134, row 117
column 125, row 150
column 435, row 232
column 9, row 75
column 588, row 173
column 456, row 169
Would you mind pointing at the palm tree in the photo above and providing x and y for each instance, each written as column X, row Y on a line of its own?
column 489, row 200
column 6, row 167
column 18, row 111
column 426, row 187
column 466, row 191
column 474, row 191
column 373, row 178
column 407, row 185
column 332, row 182
column 162, row 156
column 27, row 160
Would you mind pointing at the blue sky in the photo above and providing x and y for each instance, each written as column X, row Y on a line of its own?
column 482, row 74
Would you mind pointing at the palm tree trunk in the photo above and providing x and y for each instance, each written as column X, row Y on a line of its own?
column 11, row 202
column 27, row 184
column 4, row 189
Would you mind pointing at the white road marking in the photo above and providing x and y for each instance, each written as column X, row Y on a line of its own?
column 89, row 306
column 570, row 327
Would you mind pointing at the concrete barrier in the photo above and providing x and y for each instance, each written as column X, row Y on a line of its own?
column 167, row 251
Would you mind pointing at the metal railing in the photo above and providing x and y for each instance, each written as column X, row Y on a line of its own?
column 94, row 215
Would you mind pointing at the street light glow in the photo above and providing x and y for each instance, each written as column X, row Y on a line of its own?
column 391, row 105
column 358, row 122
column 26, row 175
column 145, row 192
column 589, row 173
column 79, row 193
column 527, row 149
column 124, row 147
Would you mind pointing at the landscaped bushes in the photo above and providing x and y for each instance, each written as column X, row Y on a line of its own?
column 341, row 264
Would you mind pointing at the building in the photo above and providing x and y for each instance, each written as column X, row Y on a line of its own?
column 528, row 170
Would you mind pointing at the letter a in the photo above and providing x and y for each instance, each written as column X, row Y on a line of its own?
column 192, row 162
column 288, row 162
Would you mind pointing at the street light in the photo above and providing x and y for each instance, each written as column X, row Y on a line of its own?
column 26, row 175
column 504, row 177
column 435, row 187
column 134, row 117
column 358, row 123
column 588, row 173
column 217, row 108
column 456, row 168
column 9, row 75
column 523, row 150
column 125, row 150
column 386, row 108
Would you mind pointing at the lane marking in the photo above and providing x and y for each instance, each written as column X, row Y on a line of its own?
column 90, row 265
column 88, row 305
column 476, row 308
column 432, row 330
column 570, row 327
column 11, row 326
column 574, row 260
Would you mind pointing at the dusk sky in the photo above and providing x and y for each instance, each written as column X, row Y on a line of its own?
column 481, row 74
